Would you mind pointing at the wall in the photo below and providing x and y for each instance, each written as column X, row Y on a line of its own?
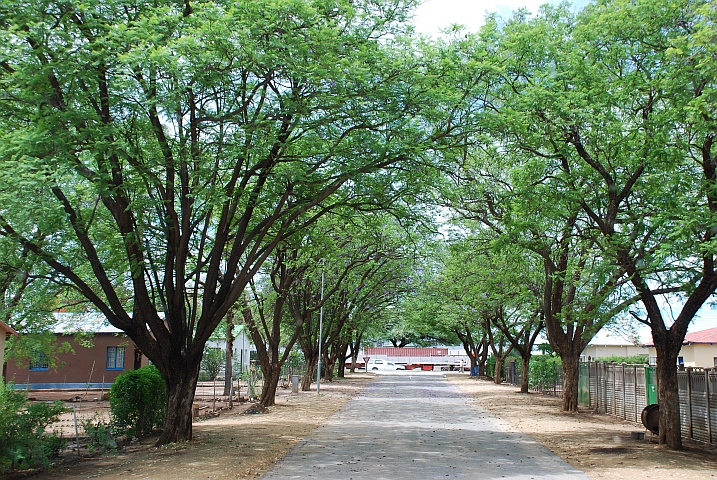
column 605, row 351
column 695, row 355
column 86, row 365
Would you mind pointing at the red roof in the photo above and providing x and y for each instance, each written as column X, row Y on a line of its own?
column 708, row 336
column 703, row 336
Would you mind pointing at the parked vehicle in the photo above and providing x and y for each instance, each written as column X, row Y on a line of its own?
column 380, row 364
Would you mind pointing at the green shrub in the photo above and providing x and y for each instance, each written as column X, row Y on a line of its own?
column 23, row 441
column 544, row 370
column 632, row 360
column 100, row 436
column 137, row 401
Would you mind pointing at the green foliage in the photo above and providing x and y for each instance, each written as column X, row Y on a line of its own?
column 544, row 370
column 138, row 401
column 212, row 361
column 23, row 441
column 100, row 435
column 27, row 348
column 632, row 360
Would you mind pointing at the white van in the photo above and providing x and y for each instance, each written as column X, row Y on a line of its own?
column 380, row 364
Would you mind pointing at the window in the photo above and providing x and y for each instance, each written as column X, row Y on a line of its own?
column 40, row 364
column 653, row 360
column 115, row 358
column 680, row 360
column 715, row 360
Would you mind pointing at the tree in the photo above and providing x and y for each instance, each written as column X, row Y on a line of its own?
column 167, row 149
column 212, row 361
column 514, row 183
column 620, row 112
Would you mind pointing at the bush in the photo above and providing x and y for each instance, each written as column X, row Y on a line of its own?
column 632, row 360
column 544, row 370
column 100, row 437
column 23, row 441
column 138, row 401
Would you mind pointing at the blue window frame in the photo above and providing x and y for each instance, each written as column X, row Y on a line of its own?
column 115, row 358
column 40, row 364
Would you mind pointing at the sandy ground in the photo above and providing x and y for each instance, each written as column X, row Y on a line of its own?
column 599, row 445
column 236, row 445
column 230, row 445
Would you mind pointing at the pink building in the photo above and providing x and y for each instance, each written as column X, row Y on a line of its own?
column 111, row 354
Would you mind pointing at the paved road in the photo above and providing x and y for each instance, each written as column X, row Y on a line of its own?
column 418, row 426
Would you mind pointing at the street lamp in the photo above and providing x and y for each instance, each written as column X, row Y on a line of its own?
column 321, row 328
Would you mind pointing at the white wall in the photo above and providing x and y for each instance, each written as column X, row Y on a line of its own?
column 242, row 348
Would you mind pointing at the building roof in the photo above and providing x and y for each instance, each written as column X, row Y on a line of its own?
column 67, row 322
column 701, row 337
column 4, row 327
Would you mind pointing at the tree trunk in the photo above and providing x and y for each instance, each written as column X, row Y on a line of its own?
column 668, row 396
column 181, row 384
column 228, row 374
column 343, row 356
column 271, row 382
column 137, row 360
column 497, row 373
column 328, row 371
column 571, row 371
column 525, row 374
column 309, row 375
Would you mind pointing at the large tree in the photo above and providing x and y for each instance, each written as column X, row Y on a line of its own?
column 167, row 148
column 615, row 102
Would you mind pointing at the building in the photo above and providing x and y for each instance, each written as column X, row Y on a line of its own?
column 606, row 346
column 94, row 365
column 5, row 330
column 241, row 349
column 699, row 349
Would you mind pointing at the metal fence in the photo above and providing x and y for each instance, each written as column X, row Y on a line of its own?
column 625, row 390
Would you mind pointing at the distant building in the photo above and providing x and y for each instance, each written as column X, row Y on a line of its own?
column 699, row 349
column 241, row 349
column 604, row 346
column 111, row 354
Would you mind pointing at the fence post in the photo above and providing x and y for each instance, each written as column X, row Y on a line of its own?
column 689, row 400
column 624, row 406
column 707, row 403
column 634, row 389
column 604, row 387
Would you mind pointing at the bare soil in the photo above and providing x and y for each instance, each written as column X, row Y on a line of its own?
column 237, row 445
column 599, row 445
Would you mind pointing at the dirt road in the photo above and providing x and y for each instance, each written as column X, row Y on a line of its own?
column 234, row 445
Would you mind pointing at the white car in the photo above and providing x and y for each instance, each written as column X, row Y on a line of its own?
column 380, row 364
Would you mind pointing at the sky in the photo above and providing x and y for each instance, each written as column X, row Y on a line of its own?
column 434, row 15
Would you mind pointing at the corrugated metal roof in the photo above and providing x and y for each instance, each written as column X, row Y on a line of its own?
column 407, row 351
column 67, row 322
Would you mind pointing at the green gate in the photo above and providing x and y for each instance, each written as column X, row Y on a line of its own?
column 651, row 380
column 584, row 385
